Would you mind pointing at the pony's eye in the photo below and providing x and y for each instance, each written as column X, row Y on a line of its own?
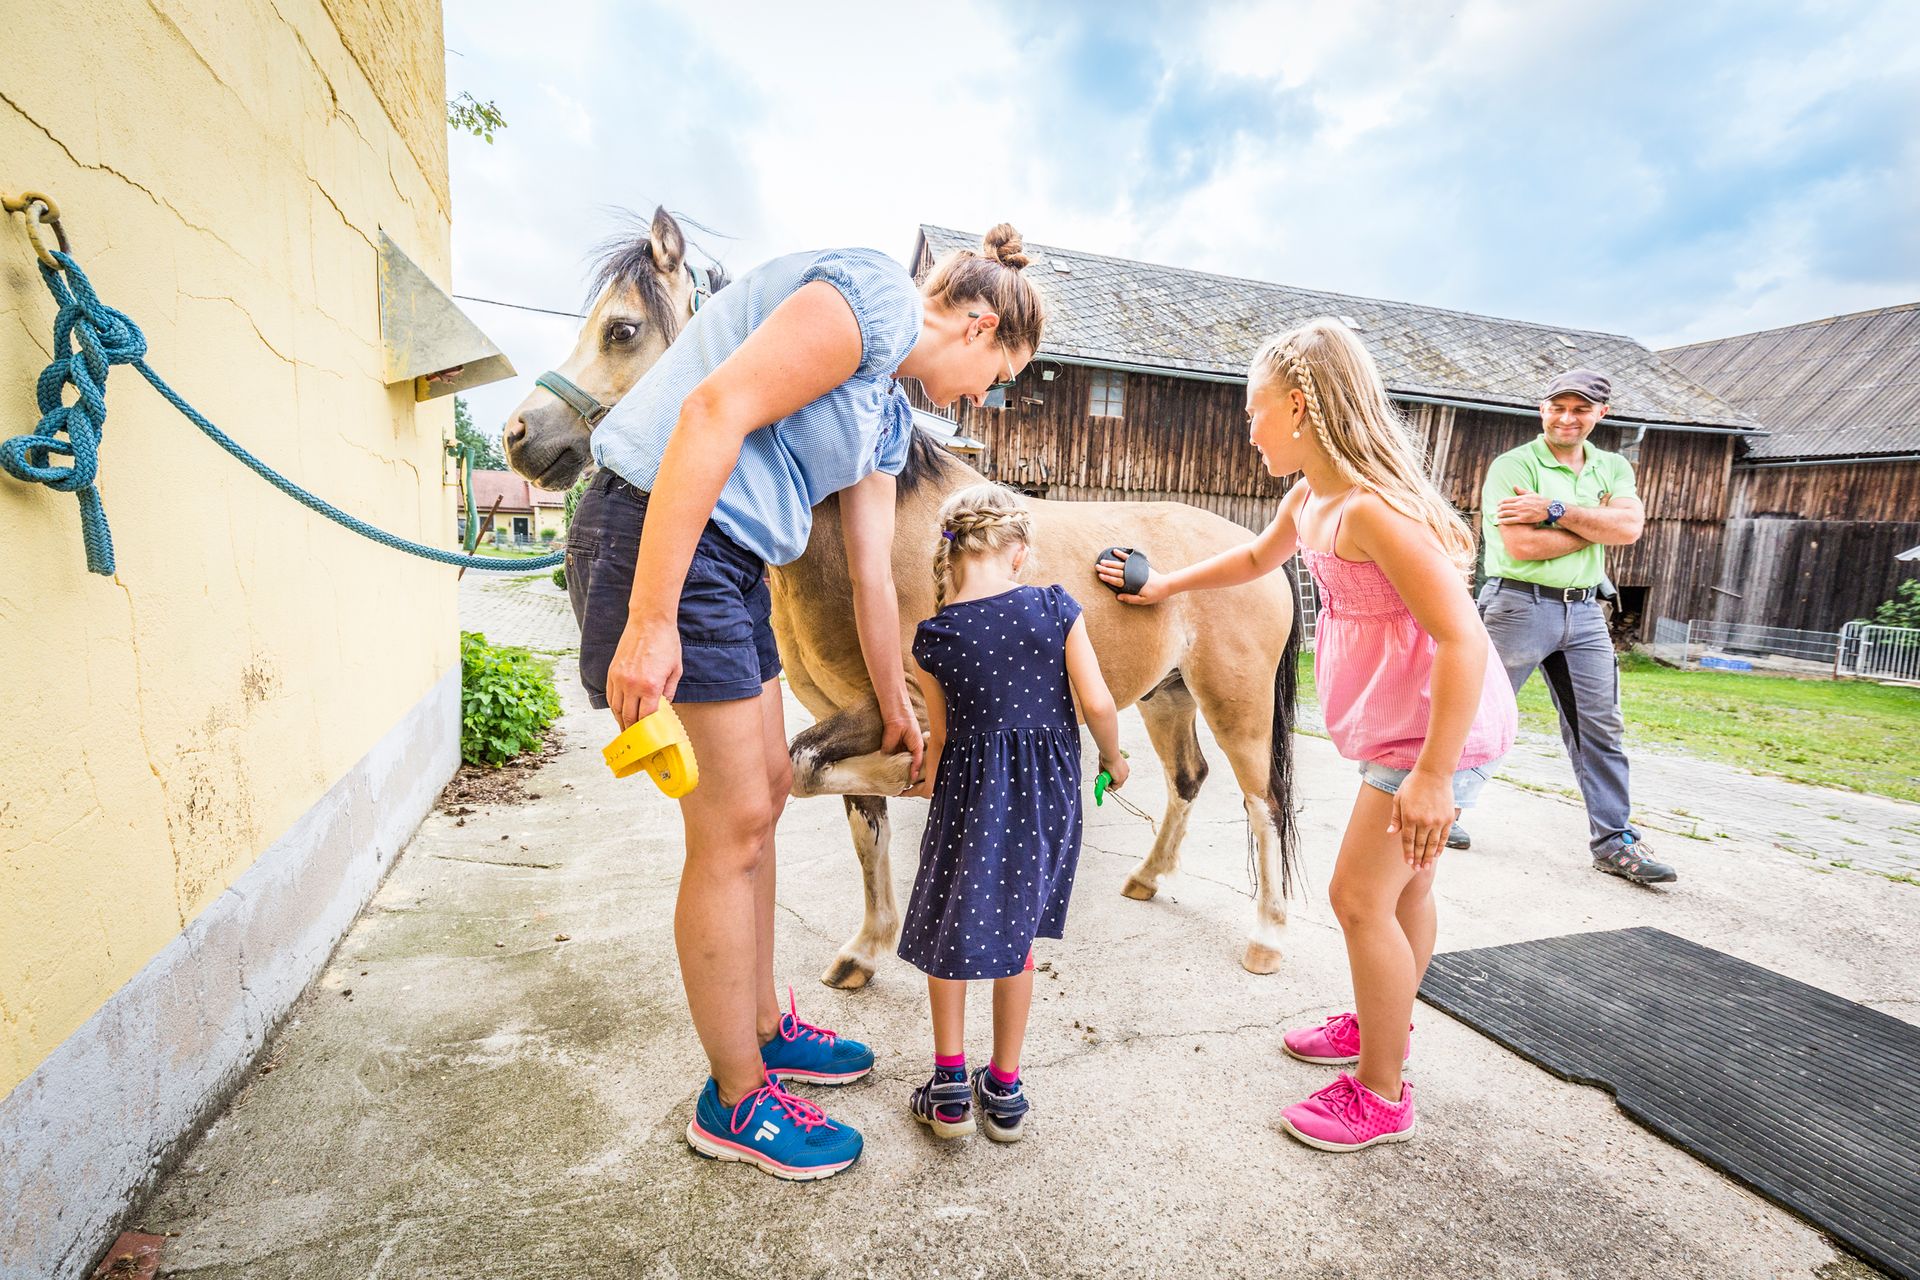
column 621, row 331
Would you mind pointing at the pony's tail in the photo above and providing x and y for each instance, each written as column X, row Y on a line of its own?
column 1286, row 691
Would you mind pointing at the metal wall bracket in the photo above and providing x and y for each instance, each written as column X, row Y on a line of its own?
column 426, row 338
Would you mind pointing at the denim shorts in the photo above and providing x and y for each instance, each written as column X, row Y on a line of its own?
column 1466, row 783
column 726, row 629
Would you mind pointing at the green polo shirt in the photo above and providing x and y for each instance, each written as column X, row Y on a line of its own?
column 1533, row 467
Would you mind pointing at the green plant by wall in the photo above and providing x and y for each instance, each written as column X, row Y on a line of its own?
column 1904, row 609
column 507, row 700
column 548, row 535
column 560, row 577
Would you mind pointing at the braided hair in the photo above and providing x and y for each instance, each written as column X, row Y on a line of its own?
column 1358, row 427
column 975, row 520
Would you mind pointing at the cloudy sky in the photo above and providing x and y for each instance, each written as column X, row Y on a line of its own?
column 1673, row 171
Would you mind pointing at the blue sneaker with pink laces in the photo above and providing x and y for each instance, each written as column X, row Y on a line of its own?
column 813, row 1055
column 774, row 1132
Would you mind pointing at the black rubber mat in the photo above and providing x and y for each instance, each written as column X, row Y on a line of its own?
column 1811, row 1100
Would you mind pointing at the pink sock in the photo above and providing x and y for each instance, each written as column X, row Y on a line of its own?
column 949, row 1059
column 999, row 1076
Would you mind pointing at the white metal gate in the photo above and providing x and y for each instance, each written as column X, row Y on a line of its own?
column 1875, row 652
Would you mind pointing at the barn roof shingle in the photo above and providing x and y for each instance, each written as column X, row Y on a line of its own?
column 1846, row 386
column 1120, row 311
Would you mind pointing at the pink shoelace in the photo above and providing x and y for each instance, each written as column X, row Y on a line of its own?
column 798, row 1110
column 1343, row 1097
column 1343, row 1027
column 794, row 1027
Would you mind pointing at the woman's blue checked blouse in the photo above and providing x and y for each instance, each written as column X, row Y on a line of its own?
column 863, row 425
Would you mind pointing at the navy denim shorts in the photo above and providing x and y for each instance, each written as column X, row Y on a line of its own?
column 726, row 629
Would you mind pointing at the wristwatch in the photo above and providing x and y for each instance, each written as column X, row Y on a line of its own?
column 1555, row 510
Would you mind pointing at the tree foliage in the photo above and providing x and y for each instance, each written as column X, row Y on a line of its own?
column 485, row 449
column 468, row 114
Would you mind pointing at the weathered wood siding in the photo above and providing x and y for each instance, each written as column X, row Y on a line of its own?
column 1886, row 491
column 1185, row 440
column 1814, row 575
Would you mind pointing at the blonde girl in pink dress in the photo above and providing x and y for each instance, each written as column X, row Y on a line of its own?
column 1410, row 685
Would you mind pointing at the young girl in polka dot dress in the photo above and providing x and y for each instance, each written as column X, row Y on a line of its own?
column 1001, row 666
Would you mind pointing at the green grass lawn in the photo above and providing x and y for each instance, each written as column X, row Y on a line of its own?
column 1845, row 733
column 510, row 553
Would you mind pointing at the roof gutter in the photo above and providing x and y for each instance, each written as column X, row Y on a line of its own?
column 1237, row 379
column 1642, row 427
column 1770, row 463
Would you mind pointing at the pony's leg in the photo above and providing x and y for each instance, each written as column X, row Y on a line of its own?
column 840, row 756
column 1241, row 717
column 1169, row 714
column 837, row 756
column 872, row 838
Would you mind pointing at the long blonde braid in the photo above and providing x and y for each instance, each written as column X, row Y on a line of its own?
column 1358, row 427
column 974, row 520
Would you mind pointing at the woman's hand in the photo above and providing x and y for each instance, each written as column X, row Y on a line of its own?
column 645, row 670
column 900, row 731
column 923, row 786
column 1152, row 591
column 1423, row 810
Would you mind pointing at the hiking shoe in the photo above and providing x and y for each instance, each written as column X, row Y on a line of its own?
column 1003, row 1107
column 1348, row 1116
column 1457, row 837
column 814, row 1055
column 1334, row 1043
column 945, row 1103
column 1631, row 862
column 773, row 1131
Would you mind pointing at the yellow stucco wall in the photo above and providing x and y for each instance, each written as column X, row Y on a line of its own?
column 224, row 167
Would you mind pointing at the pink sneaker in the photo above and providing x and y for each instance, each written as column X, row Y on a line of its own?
column 1348, row 1116
column 1334, row 1043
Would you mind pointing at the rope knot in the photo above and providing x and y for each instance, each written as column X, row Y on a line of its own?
column 89, row 338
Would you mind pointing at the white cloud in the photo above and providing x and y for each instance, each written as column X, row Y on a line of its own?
column 1673, row 172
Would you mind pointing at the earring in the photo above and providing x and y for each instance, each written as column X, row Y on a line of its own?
column 1296, row 435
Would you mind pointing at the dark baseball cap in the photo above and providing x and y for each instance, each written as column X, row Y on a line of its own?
column 1581, row 382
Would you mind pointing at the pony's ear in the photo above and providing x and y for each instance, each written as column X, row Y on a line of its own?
column 669, row 245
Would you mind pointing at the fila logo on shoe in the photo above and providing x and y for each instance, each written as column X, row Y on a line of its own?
column 767, row 1132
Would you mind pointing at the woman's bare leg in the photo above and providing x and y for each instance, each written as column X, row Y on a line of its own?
column 717, row 922
column 773, row 741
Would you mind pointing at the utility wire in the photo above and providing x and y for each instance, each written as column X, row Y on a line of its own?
column 520, row 306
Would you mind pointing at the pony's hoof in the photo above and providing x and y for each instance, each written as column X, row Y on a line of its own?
column 847, row 973
column 1137, row 889
column 1261, row 958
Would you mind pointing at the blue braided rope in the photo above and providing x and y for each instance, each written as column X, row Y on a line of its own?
column 89, row 338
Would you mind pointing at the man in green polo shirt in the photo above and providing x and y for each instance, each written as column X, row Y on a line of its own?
column 1549, row 510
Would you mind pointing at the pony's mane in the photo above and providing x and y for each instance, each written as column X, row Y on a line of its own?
column 626, row 261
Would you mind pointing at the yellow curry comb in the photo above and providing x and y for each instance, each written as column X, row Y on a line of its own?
column 659, row 746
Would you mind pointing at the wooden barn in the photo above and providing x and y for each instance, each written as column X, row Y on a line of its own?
column 1139, row 393
column 1822, row 505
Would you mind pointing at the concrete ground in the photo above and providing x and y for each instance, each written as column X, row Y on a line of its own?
column 494, row 1074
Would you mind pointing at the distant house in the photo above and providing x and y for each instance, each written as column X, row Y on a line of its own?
column 1823, row 505
column 524, row 511
column 1138, row 392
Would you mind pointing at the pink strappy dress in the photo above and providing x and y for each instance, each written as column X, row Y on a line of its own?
column 1373, row 668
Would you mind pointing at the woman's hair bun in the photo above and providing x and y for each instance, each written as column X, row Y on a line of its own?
column 1003, row 245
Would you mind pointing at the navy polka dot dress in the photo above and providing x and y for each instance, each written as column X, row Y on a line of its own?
column 1003, row 836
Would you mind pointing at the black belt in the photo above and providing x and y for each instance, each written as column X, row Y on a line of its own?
column 1566, row 595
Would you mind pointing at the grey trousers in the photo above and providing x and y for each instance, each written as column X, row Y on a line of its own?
column 1570, row 645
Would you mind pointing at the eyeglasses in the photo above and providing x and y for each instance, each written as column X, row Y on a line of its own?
column 1012, row 377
